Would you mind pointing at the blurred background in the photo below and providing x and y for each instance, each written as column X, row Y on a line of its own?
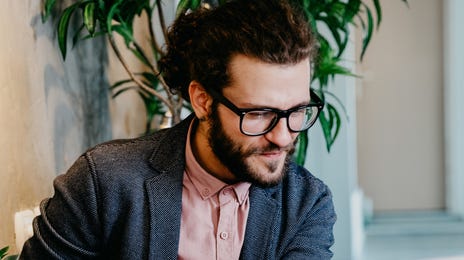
column 396, row 169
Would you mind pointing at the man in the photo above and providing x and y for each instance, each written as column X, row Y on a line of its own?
column 220, row 185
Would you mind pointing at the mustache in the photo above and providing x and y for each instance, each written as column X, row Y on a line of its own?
column 271, row 147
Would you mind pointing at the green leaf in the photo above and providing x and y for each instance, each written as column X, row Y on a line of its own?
column 125, row 32
column 333, row 25
column 338, row 101
column 182, row 7
column 406, row 3
column 4, row 252
column 153, row 106
column 352, row 8
column 75, row 38
column 331, row 123
column 101, row 5
column 194, row 4
column 312, row 21
column 63, row 26
column 90, row 17
column 368, row 32
column 47, row 9
column 301, row 148
column 122, row 90
column 339, row 33
column 120, row 83
column 152, row 78
column 327, row 67
column 109, row 19
column 141, row 56
column 128, row 9
column 378, row 11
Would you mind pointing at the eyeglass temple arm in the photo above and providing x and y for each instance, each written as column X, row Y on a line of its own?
column 315, row 99
column 224, row 101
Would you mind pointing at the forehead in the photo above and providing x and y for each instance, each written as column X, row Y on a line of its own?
column 254, row 82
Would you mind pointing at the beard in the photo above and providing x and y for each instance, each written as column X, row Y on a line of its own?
column 234, row 156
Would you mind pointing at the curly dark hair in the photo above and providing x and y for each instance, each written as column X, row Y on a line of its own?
column 201, row 44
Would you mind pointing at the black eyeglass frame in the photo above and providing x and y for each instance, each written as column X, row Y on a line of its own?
column 241, row 112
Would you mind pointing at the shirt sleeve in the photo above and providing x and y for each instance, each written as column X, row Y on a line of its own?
column 68, row 226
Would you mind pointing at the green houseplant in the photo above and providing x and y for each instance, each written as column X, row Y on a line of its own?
column 116, row 17
column 4, row 254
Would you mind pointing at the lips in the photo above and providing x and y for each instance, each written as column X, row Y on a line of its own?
column 272, row 154
column 273, row 151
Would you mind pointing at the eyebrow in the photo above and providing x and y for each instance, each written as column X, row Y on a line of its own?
column 251, row 106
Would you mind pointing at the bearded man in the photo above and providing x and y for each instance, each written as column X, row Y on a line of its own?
column 221, row 184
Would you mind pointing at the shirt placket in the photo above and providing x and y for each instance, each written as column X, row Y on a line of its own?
column 227, row 216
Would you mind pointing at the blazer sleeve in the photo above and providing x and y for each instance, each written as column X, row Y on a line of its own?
column 68, row 226
column 315, row 237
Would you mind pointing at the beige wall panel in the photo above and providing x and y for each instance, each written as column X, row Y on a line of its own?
column 400, row 109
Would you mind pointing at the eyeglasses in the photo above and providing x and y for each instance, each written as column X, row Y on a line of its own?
column 259, row 121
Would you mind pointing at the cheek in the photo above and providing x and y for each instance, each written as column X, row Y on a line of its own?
column 295, row 137
column 230, row 122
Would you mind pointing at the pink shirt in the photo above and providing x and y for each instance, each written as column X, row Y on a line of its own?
column 214, row 214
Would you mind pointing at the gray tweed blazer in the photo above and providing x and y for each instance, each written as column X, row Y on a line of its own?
column 123, row 200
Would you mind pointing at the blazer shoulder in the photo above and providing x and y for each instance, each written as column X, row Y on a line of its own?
column 142, row 156
column 303, row 188
column 302, row 177
column 121, row 148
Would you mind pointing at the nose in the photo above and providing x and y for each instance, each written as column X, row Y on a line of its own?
column 280, row 135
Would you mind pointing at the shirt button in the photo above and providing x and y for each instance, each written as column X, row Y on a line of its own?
column 224, row 235
column 205, row 192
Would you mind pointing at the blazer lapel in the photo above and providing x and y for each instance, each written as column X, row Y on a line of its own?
column 165, row 191
column 165, row 197
column 262, row 224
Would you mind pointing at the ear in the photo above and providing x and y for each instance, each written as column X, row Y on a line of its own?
column 200, row 100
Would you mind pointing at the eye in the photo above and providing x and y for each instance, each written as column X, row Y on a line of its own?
column 299, row 113
column 260, row 115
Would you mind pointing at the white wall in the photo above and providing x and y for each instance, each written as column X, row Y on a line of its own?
column 454, row 105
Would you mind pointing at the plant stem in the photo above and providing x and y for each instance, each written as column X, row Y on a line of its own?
column 140, row 50
column 176, row 115
column 167, row 102
column 161, row 18
column 155, row 44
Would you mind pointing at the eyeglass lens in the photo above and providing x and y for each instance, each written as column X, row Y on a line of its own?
column 258, row 122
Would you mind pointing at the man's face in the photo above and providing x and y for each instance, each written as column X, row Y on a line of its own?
column 261, row 159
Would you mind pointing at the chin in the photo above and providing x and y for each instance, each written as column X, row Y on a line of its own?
column 267, row 182
column 267, row 174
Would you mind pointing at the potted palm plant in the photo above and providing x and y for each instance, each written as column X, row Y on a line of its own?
column 116, row 17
